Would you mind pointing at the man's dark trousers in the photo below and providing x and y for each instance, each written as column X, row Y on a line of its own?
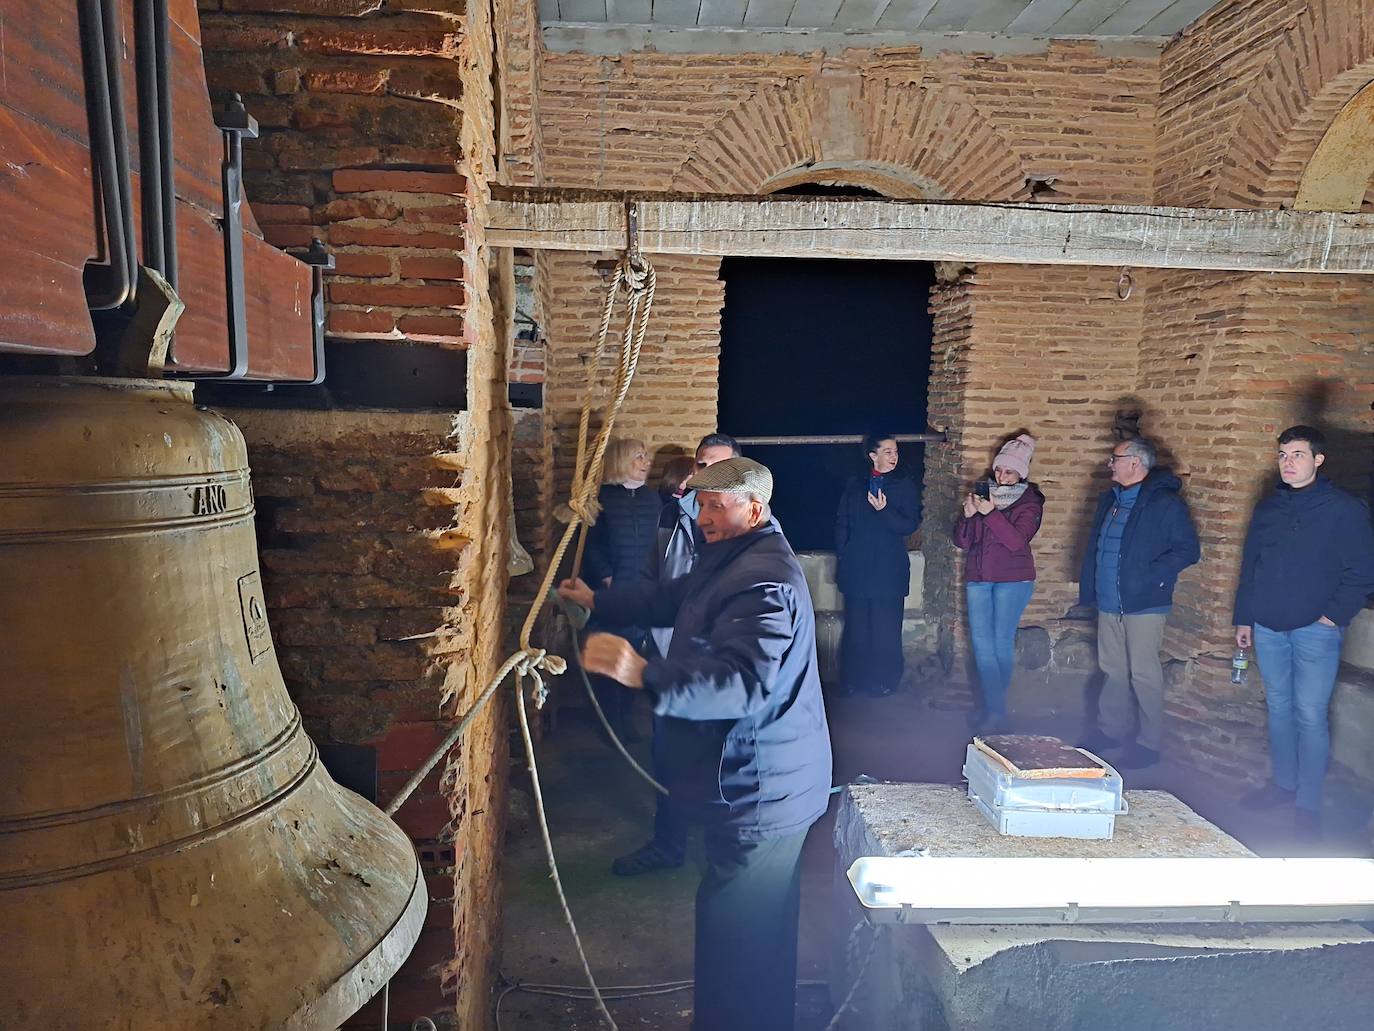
column 746, row 934
column 670, row 833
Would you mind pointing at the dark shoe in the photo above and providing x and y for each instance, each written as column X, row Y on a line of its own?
column 1136, row 757
column 881, row 690
column 1307, row 824
column 1098, row 742
column 645, row 859
column 839, row 691
column 1271, row 796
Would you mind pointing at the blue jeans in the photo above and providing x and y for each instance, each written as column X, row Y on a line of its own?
column 1299, row 670
column 994, row 612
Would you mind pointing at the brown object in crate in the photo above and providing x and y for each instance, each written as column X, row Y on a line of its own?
column 1037, row 756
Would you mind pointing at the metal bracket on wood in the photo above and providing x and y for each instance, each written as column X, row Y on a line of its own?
column 110, row 284
column 235, row 123
column 632, row 254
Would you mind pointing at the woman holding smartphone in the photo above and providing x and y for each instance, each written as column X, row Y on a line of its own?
column 878, row 512
column 999, row 519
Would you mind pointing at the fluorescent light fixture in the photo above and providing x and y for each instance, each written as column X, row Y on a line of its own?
column 974, row 890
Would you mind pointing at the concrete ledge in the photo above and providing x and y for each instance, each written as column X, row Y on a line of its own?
column 1127, row 977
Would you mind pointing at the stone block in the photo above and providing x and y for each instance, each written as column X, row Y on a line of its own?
column 1032, row 647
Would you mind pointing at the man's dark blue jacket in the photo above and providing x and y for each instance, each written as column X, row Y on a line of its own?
column 1309, row 553
column 746, row 745
column 1159, row 542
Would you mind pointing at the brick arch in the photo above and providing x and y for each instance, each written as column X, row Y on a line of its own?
column 766, row 133
column 939, row 135
column 1311, row 73
column 889, row 180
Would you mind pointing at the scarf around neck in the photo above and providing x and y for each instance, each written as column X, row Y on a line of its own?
column 1004, row 497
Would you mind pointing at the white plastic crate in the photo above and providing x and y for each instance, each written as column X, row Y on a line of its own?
column 1044, row 807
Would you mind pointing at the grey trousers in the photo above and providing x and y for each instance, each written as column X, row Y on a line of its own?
column 1128, row 653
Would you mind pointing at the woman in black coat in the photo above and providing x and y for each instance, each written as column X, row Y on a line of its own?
column 618, row 545
column 878, row 512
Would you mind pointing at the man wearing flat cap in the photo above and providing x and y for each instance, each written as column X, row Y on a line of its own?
column 747, row 749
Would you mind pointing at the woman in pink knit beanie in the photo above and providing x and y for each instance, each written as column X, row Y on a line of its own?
column 999, row 570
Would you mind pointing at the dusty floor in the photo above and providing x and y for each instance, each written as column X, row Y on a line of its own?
column 638, row 931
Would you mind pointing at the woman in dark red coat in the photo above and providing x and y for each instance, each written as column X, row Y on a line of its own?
column 999, row 572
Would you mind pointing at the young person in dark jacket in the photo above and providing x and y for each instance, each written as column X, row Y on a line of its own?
column 1142, row 538
column 1307, row 569
column 747, row 743
column 616, row 545
column 878, row 512
column 999, row 571
column 673, row 555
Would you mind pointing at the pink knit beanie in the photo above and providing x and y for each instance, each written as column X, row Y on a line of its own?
column 1016, row 455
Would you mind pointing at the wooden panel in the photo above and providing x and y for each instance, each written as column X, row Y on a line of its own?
column 905, row 14
column 629, row 12
column 1038, row 16
column 768, row 14
column 726, row 13
column 676, row 12
column 280, row 344
column 202, row 341
column 813, row 14
column 199, row 149
column 42, row 66
column 1265, row 240
column 47, row 220
column 582, row 10
column 1132, row 17
column 280, row 340
column 859, row 15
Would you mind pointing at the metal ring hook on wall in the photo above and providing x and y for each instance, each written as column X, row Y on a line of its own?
column 1124, row 285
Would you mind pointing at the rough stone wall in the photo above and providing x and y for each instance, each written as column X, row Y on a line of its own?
column 379, row 139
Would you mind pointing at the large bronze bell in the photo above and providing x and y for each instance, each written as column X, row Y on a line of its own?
column 172, row 853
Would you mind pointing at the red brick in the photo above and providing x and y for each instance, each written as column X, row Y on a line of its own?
column 439, row 329
column 405, row 746
column 423, row 817
column 369, row 236
column 432, row 268
column 346, row 80
column 451, row 214
column 341, row 322
column 224, row 34
column 346, row 264
column 327, row 8
column 362, row 180
column 397, row 295
column 434, row 43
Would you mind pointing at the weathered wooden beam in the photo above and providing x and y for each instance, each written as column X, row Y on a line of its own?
column 1257, row 240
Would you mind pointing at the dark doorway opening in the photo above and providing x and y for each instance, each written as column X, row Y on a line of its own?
column 823, row 347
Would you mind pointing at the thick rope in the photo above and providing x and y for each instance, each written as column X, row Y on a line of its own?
column 641, row 281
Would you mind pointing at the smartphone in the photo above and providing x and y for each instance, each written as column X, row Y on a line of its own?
column 873, row 487
column 982, row 489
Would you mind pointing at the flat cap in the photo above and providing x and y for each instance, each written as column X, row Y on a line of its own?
column 736, row 475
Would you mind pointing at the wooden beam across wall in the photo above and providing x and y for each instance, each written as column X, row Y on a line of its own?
column 1254, row 240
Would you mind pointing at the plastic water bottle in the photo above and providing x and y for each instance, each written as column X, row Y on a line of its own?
column 1240, row 664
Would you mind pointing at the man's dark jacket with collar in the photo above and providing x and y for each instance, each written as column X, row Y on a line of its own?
column 747, row 748
column 1308, row 553
column 1158, row 543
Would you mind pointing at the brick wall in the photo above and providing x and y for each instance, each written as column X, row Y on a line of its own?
column 1045, row 349
column 379, row 138
column 1246, row 92
column 673, row 399
column 969, row 126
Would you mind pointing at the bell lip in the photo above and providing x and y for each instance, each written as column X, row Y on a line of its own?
column 356, row 986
